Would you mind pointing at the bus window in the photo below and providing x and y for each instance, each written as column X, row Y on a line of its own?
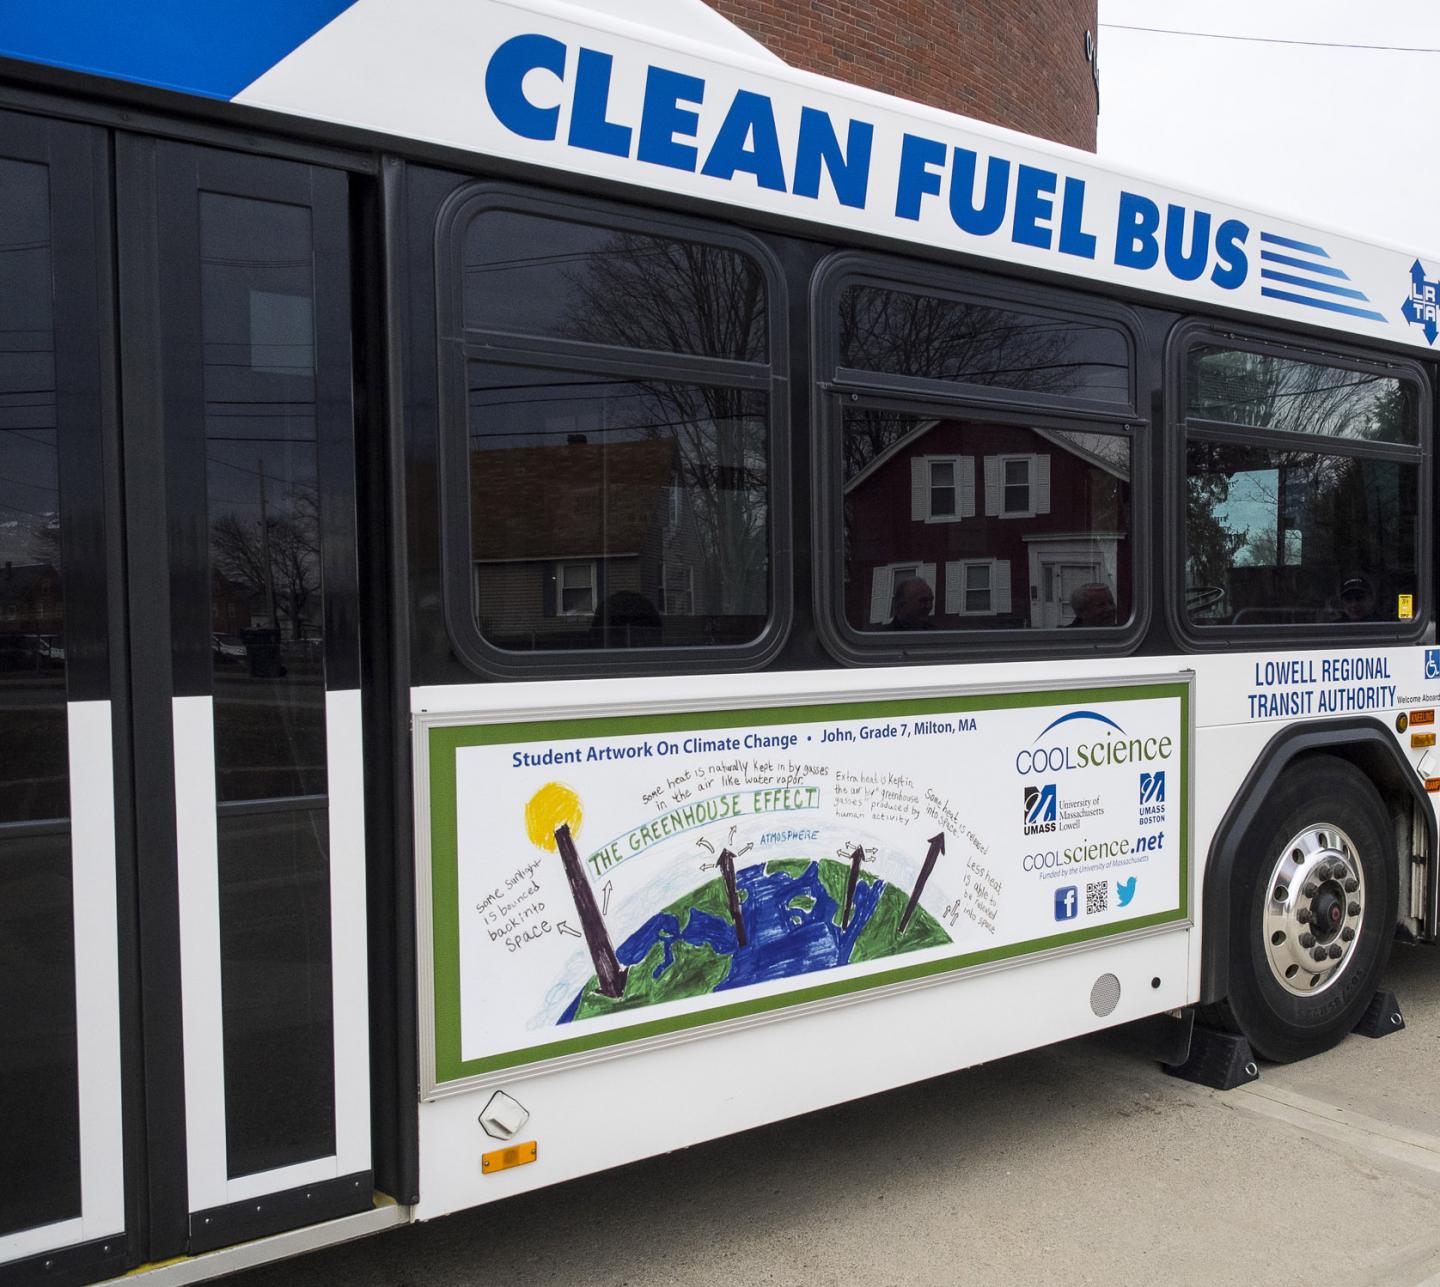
column 619, row 464
column 1306, row 516
column 983, row 468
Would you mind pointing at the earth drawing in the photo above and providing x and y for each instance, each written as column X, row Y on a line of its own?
column 792, row 911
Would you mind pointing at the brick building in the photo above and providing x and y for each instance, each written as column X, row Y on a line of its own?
column 1021, row 63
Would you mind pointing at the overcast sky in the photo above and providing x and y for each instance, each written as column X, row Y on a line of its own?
column 1343, row 138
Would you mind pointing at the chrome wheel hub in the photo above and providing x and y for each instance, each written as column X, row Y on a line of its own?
column 1314, row 909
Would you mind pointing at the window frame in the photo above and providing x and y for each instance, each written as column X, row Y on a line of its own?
column 838, row 389
column 1194, row 332
column 989, row 610
column 459, row 345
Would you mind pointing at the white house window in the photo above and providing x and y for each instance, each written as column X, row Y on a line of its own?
column 1017, row 486
column 575, row 589
column 977, row 587
column 942, row 488
column 678, row 589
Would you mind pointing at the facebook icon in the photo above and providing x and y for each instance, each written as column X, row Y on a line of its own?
column 1067, row 903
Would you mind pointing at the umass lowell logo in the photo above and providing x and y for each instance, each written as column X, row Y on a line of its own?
column 1422, row 308
column 1040, row 808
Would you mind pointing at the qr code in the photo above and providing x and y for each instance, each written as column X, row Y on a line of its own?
column 1097, row 897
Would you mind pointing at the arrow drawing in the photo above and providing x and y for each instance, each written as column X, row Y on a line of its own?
column 565, row 928
column 937, row 847
column 855, row 860
column 608, row 890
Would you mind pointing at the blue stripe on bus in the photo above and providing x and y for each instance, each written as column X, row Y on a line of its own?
column 1278, row 240
column 1292, row 262
column 209, row 47
column 1328, row 287
column 1329, row 304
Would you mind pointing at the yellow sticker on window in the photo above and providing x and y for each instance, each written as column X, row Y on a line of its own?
column 1405, row 607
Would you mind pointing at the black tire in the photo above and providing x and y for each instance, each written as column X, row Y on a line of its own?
column 1315, row 798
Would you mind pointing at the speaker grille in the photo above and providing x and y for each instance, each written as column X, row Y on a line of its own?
column 1105, row 995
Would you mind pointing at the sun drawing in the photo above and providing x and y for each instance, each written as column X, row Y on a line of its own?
column 552, row 806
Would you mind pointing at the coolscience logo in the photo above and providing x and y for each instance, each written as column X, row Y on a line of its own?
column 1040, row 808
column 1055, row 751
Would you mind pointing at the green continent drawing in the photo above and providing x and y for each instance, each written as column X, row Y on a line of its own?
column 792, row 911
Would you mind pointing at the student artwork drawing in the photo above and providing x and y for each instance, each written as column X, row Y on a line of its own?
column 613, row 879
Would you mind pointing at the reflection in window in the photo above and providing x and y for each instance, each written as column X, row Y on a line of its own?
column 584, row 489
column 1267, row 392
column 934, row 338
column 529, row 275
column 39, row 1053
column 1290, row 537
column 257, row 284
column 1048, row 533
column 257, row 288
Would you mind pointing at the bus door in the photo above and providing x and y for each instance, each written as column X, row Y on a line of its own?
column 184, row 1055
column 62, row 1176
column 238, row 429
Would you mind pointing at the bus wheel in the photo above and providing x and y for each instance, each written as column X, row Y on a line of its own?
column 1313, row 909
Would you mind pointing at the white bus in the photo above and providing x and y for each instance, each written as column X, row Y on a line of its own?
column 569, row 589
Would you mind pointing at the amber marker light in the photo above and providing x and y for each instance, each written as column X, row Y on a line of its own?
column 502, row 1159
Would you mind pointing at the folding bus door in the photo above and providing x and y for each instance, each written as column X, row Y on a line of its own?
column 62, row 1155
column 239, row 431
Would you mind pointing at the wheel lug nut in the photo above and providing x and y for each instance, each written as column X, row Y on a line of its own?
column 1354, row 909
column 1303, row 914
column 1307, row 940
column 1336, row 951
column 1319, row 954
column 1322, row 872
column 1311, row 889
column 1347, row 933
column 1351, row 885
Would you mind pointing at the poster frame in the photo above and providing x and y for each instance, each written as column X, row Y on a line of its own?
column 443, row 1075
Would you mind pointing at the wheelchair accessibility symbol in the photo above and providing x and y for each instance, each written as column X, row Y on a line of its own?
column 1432, row 663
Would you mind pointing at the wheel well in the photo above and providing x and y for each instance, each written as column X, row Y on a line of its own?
column 1371, row 747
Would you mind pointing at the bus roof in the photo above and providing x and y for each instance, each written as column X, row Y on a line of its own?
column 684, row 111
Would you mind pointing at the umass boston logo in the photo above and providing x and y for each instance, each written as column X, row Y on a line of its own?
column 1152, row 798
column 1422, row 308
column 1040, row 809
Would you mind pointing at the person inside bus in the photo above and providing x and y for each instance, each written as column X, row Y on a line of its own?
column 1093, row 604
column 1357, row 599
column 912, row 605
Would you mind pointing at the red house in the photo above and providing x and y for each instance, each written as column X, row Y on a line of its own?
column 1004, row 522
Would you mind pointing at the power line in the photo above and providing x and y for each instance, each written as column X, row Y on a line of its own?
column 1274, row 40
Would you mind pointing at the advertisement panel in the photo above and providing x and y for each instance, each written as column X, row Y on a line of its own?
column 603, row 880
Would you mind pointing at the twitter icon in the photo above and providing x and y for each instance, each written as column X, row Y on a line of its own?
column 1126, row 890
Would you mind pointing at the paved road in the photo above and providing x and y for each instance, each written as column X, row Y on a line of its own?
column 1077, row 1164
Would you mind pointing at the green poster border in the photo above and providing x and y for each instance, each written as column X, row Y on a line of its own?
column 445, row 740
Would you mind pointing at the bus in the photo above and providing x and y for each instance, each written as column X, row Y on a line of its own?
column 570, row 589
